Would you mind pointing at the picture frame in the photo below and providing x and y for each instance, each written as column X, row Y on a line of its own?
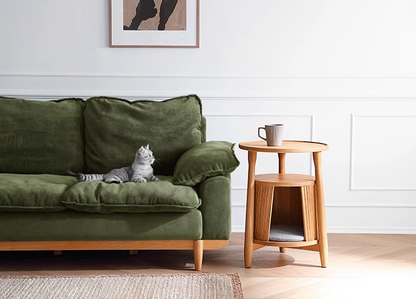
column 142, row 23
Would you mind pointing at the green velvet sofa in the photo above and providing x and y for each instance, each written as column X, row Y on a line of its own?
column 44, row 144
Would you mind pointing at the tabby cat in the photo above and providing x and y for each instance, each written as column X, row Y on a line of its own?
column 140, row 171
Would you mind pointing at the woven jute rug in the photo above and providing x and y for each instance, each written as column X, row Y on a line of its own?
column 198, row 285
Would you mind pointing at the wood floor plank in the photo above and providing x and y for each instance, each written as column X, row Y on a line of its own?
column 360, row 266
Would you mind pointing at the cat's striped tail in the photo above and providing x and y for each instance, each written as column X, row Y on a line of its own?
column 89, row 177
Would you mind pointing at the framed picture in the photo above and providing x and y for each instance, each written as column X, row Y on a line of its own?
column 154, row 23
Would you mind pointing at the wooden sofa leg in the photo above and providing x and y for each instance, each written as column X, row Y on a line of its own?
column 134, row 252
column 198, row 254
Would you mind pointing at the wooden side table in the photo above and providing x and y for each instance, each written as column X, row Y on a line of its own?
column 285, row 210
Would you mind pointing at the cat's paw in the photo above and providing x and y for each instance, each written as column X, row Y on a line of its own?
column 139, row 180
column 155, row 179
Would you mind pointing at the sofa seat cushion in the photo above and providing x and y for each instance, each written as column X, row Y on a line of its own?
column 162, row 196
column 33, row 193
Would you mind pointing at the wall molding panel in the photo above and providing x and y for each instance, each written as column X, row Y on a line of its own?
column 383, row 152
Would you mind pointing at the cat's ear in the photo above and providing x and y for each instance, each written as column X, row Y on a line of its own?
column 147, row 147
column 141, row 149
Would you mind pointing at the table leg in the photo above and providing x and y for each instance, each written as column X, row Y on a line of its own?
column 249, row 233
column 282, row 169
column 282, row 162
column 323, row 238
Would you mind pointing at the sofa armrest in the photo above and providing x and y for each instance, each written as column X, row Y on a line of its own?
column 215, row 194
column 208, row 159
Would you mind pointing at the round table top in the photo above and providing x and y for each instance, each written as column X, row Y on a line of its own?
column 288, row 146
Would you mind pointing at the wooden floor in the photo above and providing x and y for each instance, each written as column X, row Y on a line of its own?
column 360, row 266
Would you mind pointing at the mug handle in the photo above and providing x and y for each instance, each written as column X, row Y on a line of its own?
column 258, row 133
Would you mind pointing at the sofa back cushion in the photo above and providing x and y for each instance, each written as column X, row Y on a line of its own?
column 116, row 128
column 41, row 137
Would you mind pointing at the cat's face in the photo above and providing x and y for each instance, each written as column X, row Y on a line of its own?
column 144, row 154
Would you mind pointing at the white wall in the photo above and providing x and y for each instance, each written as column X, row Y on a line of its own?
column 337, row 71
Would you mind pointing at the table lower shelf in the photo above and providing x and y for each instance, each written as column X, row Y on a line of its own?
column 286, row 244
column 284, row 235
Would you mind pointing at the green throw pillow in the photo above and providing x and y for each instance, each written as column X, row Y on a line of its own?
column 208, row 159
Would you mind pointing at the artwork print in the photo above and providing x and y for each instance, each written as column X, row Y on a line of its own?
column 154, row 23
column 154, row 14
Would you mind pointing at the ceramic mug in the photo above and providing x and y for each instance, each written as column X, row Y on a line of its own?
column 274, row 134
